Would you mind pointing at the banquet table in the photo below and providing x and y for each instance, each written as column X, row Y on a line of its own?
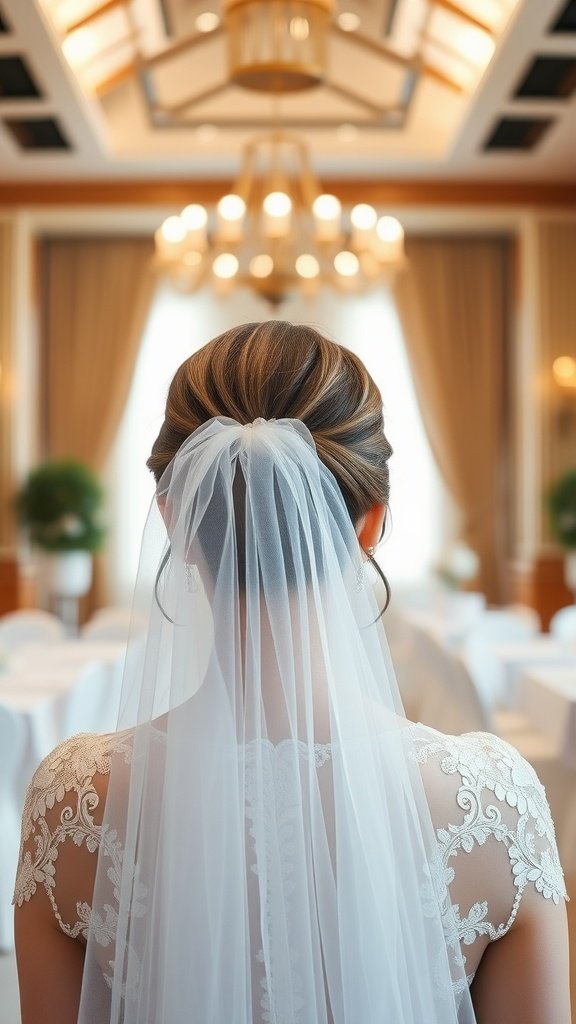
column 38, row 682
column 514, row 659
column 547, row 696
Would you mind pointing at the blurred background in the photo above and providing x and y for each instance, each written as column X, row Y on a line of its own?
column 400, row 174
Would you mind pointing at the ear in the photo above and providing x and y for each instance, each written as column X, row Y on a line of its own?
column 370, row 525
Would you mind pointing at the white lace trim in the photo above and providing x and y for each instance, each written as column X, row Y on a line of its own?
column 492, row 775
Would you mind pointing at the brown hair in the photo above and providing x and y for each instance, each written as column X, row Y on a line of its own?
column 276, row 369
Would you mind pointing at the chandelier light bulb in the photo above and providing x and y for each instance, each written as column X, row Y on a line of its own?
column 231, row 207
column 173, row 230
column 326, row 207
column 262, row 265
column 348, row 21
column 299, row 28
column 277, row 204
column 307, row 266
column 194, row 217
column 346, row 263
column 389, row 229
column 207, row 21
column 276, row 217
column 363, row 216
column 225, row 266
column 327, row 211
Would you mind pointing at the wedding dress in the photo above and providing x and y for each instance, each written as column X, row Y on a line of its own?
column 266, row 839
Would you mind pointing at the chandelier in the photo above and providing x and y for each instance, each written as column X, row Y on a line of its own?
column 277, row 233
column 277, row 46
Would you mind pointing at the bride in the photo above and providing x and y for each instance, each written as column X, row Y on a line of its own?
column 266, row 839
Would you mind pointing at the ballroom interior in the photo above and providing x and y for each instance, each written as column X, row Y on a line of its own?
column 400, row 174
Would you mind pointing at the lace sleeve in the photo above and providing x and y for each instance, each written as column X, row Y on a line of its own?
column 488, row 804
column 64, row 806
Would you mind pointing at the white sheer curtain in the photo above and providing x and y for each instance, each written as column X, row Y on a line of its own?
column 421, row 512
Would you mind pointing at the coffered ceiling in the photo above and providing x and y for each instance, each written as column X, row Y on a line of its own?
column 422, row 89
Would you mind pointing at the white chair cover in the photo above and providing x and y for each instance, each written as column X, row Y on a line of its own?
column 563, row 625
column 29, row 627
column 451, row 701
column 113, row 624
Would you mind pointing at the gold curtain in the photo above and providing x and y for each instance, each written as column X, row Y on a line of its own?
column 97, row 294
column 453, row 306
column 7, row 390
column 557, row 337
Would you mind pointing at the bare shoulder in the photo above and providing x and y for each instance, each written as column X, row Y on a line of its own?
column 62, row 825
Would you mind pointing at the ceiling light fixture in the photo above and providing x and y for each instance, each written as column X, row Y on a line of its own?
column 278, row 233
column 348, row 21
column 207, row 21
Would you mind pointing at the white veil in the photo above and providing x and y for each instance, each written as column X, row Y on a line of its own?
column 267, row 854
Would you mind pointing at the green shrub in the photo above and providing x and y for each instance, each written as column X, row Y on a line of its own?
column 59, row 506
column 562, row 507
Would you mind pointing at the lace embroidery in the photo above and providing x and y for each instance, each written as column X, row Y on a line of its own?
column 493, row 776
column 66, row 776
column 488, row 765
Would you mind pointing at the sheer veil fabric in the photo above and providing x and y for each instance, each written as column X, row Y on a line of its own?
column 267, row 853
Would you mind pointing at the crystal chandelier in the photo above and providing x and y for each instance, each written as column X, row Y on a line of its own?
column 277, row 233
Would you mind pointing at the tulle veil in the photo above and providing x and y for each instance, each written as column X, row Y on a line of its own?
column 267, row 854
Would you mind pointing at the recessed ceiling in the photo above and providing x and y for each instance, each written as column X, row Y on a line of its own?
column 517, row 133
column 133, row 89
column 566, row 18
column 549, row 78
column 34, row 133
column 16, row 81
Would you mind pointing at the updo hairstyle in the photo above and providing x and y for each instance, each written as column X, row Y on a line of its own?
column 277, row 369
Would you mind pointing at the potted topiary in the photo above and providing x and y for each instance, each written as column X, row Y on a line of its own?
column 59, row 505
column 562, row 507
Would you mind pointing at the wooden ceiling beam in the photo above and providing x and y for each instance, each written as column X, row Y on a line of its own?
column 93, row 15
column 390, row 192
column 471, row 19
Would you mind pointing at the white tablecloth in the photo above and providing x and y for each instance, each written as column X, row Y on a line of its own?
column 515, row 658
column 547, row 696
column 38, row 682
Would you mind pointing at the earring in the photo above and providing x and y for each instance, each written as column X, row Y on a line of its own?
column 191, row 583
column 361, row 573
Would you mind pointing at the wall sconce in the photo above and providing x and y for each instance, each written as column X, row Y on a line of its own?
column 564, row 370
